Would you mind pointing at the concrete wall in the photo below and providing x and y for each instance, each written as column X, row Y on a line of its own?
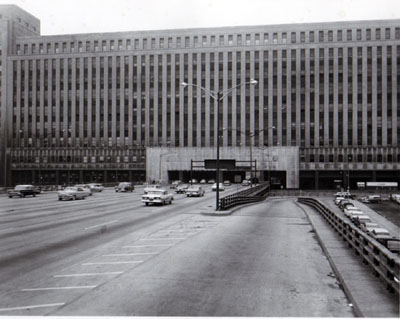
column 160, row 160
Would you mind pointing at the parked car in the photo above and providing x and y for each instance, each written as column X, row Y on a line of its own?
column 203, row 181
column 211, row 181
column 338, row 199
column 157, row 196
column 96, row 187
column 364, row 200
column 348, row 209
column 345, row 195
column 193, row 181
column 354, row 214
column 227, row 183
column 395, row 198
column 72, row 193
column 124, row 187
column 195, row 191
column 374, row 198
column 368, row 227
column 22, row 191
column 221, row 187
column 380, row 233
column 383, row 236
column 86, row 187
column 344, row 204
column 360, row 219
column 181, row 189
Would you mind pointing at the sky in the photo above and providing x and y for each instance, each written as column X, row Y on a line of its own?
column 97, row 16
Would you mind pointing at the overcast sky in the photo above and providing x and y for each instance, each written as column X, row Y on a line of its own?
column 92, row 16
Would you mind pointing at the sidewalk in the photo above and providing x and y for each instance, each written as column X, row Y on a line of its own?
column 366, row 292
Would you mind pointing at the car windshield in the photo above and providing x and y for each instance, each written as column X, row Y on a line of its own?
column 68, row 189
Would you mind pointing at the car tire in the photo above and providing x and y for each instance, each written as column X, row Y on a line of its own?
column 9, row 196
column 147, row 204
column 34, row 195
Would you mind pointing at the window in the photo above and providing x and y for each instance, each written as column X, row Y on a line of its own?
column 266, row 38
column 340, row 35
column 311, row 36
column 378, row 34
column 321, row 36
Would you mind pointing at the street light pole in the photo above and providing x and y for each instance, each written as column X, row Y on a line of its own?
column 218, row 96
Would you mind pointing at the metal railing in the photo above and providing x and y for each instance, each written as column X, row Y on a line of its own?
column 250, row 195
column 385, row 264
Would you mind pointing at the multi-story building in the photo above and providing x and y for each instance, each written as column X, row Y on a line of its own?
column 110, row 106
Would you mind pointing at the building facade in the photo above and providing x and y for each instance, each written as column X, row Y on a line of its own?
column 97, row 107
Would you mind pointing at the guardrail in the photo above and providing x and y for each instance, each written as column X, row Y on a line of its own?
column 386, row 265
column 250, row 195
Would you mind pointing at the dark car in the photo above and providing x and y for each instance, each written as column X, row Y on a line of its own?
column 124, row 187
column 22, row 191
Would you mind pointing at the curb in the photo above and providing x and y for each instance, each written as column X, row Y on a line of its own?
column 346, row 290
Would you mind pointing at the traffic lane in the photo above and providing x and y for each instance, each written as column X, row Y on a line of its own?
column 261, row 261
column 30, row 250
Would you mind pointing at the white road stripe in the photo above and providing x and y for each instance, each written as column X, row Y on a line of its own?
column 33, row 306
column 133, row 254
column 90, row 274
column 170, row 238
column 59, row 288
column 5, row 229
column 113, row 263
column 141, row 246
column 95, row 226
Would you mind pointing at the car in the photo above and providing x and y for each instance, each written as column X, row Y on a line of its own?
column 148, row 188
column 364, row 199
column 124, row 187
column 227, row 183
column 195, row 191
column 181, row 189
column 203, row 181
column 345, row 195
column 175, row 184
column 374, row 199
column 96, row 187
column 211, row 181
column 22, row 191
column 37, row 189
column 382, row 236
column 368, row 227
column 221, row 187
column 246, row 182
column 348, row 209
column 87, row 187
column 338, row 199
column 343, row 203
column 360, row 219
column 157, row 196
column 354, row 214
column 73, row 192
column 193, row 181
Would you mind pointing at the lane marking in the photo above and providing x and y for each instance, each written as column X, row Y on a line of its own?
column 90, row 274
column 59, row 288
column 133, row 254
column 5, row 229
column 95, row 226
column 33, row 306
column 113, row 263
column 170, row 238
column 141, row 246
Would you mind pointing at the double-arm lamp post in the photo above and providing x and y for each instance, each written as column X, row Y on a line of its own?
column 218, row 96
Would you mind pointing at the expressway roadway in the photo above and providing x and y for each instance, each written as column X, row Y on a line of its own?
column 111, row 255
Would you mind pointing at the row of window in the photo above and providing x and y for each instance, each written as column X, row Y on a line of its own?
column 359, row 158
column 265, row 38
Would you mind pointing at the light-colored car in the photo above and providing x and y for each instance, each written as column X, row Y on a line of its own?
column 246, row 182
column 360, row 219
column 227, row 183
column 355, row 213
column 221, row 187
column 157, row 196
column 368, row 227
column 374, row 198
column 203, row 181
column 151, row 187
column 96, row 187
column 380, row 233
column 181, row 189
column 72, row 193
column 86, row 187
column 338, row 199
column 195, row 191
column 348, row 209
column 124, row 187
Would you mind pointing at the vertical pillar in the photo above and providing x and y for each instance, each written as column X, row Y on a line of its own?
column 316, row 175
